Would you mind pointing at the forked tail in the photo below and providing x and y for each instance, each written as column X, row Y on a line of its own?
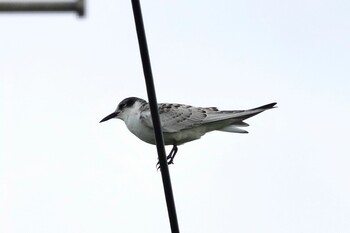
column 241, row 116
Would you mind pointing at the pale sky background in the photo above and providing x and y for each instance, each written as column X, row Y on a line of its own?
column 63, row 172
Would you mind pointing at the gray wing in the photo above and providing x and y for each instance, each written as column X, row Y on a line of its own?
column 176, row 117
column 236, row 117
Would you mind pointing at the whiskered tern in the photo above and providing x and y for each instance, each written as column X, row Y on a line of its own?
column 180, row 123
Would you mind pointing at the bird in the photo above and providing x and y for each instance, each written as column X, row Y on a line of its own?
column 180, row 123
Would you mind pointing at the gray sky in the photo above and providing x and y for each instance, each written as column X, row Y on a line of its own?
column 62, row 171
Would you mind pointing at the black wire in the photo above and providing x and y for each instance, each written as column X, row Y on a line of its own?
column 155, row 116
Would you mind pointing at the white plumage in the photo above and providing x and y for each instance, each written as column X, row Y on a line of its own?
column 180, row 123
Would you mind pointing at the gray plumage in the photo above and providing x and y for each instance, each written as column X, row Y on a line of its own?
column 180, row 123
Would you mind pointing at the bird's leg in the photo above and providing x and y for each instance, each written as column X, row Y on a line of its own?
column 170, row 157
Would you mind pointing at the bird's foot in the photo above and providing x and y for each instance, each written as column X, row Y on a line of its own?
column 169, row 158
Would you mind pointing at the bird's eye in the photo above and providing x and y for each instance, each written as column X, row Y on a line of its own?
column 126, row 103
column 122, row 105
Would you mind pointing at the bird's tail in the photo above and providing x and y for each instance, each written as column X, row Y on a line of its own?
column 242, row 115
column 233, row 129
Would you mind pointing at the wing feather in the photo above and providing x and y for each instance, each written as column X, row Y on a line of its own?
column 177, row 117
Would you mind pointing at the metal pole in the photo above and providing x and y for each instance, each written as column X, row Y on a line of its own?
column 155, row 116
column 50, row 6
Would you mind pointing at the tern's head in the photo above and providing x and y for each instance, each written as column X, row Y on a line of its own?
column 125, row 108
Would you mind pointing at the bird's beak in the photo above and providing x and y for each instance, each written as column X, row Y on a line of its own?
column 110, row 116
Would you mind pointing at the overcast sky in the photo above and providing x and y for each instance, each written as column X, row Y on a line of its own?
column 63, row 172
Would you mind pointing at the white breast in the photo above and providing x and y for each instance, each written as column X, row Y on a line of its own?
column 141, row 131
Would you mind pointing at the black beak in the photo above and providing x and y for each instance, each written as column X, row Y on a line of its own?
column 110, row 116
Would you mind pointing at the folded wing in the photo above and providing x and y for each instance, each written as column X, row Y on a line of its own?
column 176, row 117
